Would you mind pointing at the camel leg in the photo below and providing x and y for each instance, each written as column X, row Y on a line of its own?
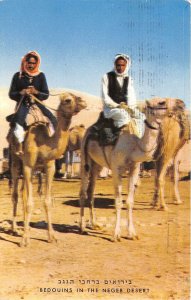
column 67, row 162
column 15, row 168
column 90, row 194
column 133, row 179
column 155, row 200
column 117, row 181
column 50, row 170
column 71, row 164
column 39, row 176
column 160, row 183
column 27, row 204
column 176, row 179
column 83, row 194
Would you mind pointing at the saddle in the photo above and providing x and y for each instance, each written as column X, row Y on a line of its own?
column 104, row 131
column 34, row 116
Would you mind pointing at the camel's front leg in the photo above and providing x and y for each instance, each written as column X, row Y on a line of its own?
column 50, row 170
column 154, row 201
column 28, row 204
column 117, row 181
column 133, row 179
column 161, row 184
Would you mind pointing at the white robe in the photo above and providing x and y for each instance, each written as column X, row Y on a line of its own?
column 120, row 116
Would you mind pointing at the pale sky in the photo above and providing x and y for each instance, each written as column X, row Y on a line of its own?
column 78, row 39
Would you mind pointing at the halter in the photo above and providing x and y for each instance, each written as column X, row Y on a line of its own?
column 150, row 126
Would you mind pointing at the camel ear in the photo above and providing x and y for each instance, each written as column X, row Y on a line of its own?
column 180, row 104
column 141, row 106
column 79, row 99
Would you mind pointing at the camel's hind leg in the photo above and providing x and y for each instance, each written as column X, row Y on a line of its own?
column 95, row 169
column 85, row 173
column 28, row 204
column 133, row 179
column 117, row 181
column 176, row 179
column 50, row 170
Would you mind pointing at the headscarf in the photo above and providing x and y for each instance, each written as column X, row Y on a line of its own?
column 24, row 69
column 127, row 59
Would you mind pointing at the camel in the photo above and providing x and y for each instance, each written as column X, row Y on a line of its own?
column 76, row 135
column 42, row 149
column 128, row 153
column 173, row 135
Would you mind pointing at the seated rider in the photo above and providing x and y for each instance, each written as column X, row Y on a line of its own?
column 118, row 94
column 29, row 81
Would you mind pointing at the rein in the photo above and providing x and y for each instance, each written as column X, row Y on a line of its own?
column 37, row 100
column 149, row 125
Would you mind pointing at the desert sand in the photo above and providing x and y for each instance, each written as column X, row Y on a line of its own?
column 157, row 266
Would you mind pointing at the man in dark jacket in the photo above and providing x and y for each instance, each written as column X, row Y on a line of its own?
column 29, row 81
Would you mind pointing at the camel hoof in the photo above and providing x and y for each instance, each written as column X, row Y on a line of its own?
column 163, row 208
column 116, row 238
column 82, row 231
column 178, row 202
column 24, row 242
column 95, row 226
column 133, row 237
column 153, row 204
column 52, row 239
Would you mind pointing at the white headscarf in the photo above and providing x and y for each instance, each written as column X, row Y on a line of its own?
column 127, row 59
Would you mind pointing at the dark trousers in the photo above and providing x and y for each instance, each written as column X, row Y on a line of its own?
column 21, row 114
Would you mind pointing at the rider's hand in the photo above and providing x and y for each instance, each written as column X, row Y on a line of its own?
column 33, row 91
column 23, row 92
column 123, row 105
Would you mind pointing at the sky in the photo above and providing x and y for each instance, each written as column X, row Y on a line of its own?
column 78, row 39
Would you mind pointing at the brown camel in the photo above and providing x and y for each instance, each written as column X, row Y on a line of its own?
column 41, row 149
column 128, row 153
column 76, row 135
column 174, row 134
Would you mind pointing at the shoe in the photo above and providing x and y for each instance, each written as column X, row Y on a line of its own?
column 19, row 151
column 58, row 175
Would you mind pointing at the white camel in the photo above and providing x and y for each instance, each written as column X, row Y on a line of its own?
column 128, row 153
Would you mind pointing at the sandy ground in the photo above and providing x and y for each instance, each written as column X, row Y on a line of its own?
column 91, row 266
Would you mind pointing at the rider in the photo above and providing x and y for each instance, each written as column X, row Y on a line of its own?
column 118, row 94
column 29, row 81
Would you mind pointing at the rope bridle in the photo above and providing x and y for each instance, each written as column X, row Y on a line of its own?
column 37, row 100
column 155, row 144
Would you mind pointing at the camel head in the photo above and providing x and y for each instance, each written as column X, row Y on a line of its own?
column 70, row 105
column 155, row 110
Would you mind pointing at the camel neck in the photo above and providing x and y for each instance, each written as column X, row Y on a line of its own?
column 60, row 139
column 148, row 142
